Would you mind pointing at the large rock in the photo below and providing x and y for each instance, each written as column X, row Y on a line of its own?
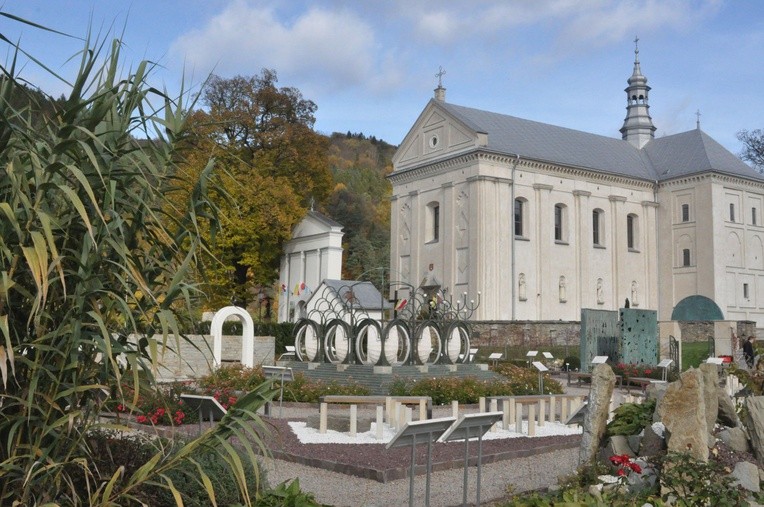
column 617, row 445
column 735, row 438
column 710, row 396
column 755, row 424
column 595, row 420
column 652, row 444
column 682, row 410
column 746, row 475
column 727, row 414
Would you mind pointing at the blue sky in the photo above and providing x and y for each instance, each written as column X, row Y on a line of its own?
column 370, row 65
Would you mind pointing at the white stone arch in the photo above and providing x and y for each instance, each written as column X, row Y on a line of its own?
column 247, row 336
column 734, row 250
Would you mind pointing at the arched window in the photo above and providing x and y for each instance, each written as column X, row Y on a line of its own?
column 432, row 223
column 560, row 223
column 632, row 231
column 598, row 227
column 521, row 218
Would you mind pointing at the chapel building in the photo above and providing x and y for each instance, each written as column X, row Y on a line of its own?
column 544, row 220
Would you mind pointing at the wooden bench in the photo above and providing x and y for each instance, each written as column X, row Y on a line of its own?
column 580, row 376
column 641, row 382
column 346, row 399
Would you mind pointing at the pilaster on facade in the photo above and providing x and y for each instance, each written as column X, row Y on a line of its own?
column 582, row 248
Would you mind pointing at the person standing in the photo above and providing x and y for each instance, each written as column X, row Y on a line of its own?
column 748, row 351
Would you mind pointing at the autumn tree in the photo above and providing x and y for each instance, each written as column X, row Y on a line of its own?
column 753, row 147
column 270, row 165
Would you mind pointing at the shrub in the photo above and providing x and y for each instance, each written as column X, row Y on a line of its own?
column 525, row 380
column 303, row 390
column 573, row 362
column 232, row 378
column 698, row 483
column 631, row 418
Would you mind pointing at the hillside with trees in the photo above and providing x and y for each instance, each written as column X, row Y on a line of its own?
column 360, row 200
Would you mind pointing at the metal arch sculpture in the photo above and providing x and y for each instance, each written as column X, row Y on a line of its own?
column 425, row 326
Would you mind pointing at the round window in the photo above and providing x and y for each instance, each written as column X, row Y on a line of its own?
column 433, row 141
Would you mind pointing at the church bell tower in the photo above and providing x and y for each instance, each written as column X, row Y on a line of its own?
column 638, row 127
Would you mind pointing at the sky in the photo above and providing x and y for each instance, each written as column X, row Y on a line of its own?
column 370, row 65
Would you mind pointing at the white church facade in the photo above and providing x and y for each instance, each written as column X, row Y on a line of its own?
column 544, row 220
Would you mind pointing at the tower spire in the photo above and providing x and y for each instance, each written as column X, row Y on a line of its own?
column 638, row 126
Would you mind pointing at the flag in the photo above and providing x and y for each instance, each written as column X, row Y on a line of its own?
column 297, row 289
column 401, row 305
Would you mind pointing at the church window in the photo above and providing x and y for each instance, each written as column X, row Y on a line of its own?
column 753, row 216
column 732, row 212
column 598, row 227
column 685, row 212
column 746, row 295
column 632, row 231
column 433, row 222
column 686, row 257
column 520, row 217
column 560, row 217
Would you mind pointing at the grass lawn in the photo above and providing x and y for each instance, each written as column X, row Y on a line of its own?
column 694, row 353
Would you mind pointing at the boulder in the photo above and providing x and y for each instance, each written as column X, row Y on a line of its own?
column 746, row 475
column 710, row 395
column 755, row 424
column 682, row 410
column 617, row 445
column 652, row 443
column 595, row 420
column 727, row 414
column 735, row 438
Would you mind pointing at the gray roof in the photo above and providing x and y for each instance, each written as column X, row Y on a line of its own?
column 360, row 294
column 324, row 219
column 662, row 158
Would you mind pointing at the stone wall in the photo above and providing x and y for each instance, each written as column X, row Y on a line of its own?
column 533, row 335
column 192, row 358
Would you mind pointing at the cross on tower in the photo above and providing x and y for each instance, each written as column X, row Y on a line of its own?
column 439, row 75
column 697, row 121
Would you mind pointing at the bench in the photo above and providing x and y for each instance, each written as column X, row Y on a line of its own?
column 641, row 382
column 347, row 399
column 290, row 352
column 580, row 376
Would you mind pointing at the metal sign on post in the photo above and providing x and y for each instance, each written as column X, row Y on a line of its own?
column 600, row 359
column 420, row 432
column 495, row 357
column 541, row 368
column 281, row 373
column 665, row 365
column 472, row 426
column 547, row 355
column 530, row 355
column 205, row 405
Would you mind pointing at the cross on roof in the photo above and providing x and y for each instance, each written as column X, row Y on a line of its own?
column 697, row 115
column 439, row 75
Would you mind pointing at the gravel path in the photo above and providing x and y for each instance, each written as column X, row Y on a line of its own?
column 446, row 487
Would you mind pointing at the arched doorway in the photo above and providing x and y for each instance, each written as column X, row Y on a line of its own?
column 247, row 336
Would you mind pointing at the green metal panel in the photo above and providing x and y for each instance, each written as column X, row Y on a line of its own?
column 595, row 324
column 639, row 336
column 697, row 308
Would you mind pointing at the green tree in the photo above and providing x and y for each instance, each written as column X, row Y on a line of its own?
column 96, row 243
column 753, row 147
column 270, row 165
column 360, row 200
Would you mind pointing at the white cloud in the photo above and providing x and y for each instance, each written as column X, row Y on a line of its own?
column 329, row 49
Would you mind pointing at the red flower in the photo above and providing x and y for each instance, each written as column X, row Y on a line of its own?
column 621, row 472
column 160, row 412
column 141, row 419
column 635, row 467
column 120, row 408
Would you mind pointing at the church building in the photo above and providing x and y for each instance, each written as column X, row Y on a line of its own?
column 544, row 220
